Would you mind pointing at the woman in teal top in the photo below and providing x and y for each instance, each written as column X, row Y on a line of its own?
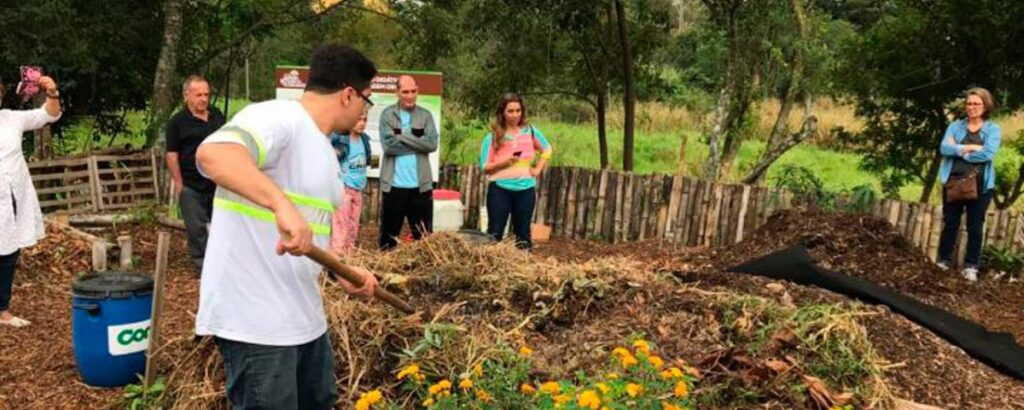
column 512, row 163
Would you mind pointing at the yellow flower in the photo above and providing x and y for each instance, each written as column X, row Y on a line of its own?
column 561, row 399
column 669, row 406
column 680, row 389
column 621, row 352
column 550, row 387
column 656, row 362
column 628, row 361
column 612, row 376
column 525, row 351
column 428, row 402
column 633, row 389
column 410, row 370
column 465, row 384
column 479, row 370
column 440, row 387
column 603, row 387
column 419, row 377
column 589, row 400
column 526, row 388
column 362, row 405
column 368, row 399
column 672, row 372
column 482, row 395
column 642, row 346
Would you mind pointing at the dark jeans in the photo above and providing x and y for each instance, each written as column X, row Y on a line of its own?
column 951, row 213
column 196, row 209
column 501, row 203
column 401, row 204
column 279, row 377
column 8, row 263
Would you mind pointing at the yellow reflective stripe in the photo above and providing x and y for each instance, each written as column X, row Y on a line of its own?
column 262, row 214
column 311, row 202
column 249, row 139
column 546, row 155
column 260, row 147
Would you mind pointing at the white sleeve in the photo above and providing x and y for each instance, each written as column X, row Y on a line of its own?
column 261, row 132
column 34, row 119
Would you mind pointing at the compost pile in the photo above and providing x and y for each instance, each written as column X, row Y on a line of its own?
column 746, row 350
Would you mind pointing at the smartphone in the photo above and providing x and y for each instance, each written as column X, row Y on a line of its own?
column 29, row 84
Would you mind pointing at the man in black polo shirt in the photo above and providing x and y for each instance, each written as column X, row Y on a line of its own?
column 185, row 131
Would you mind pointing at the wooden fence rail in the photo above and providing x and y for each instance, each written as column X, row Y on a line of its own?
column 576, row 203
column 95, row 183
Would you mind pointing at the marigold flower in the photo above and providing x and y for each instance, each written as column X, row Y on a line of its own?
column 680, row 390
column 410, row 370
column 628, row 361
column 466, row 384
column 525, row 351
column 589, row 400
column 482, row 395
column 561, row 399
column 621, row 352
column 672, row 372
column 526, row 388
column 428, row 402
column 479, row 370
column 603, row 387
column 362, row 404
column 550, row 387
column 612, row 376
column 656, row 361
column 440, row 387
column 372, row 396
column 633, row 389
column 669, row 406
column 642, row 346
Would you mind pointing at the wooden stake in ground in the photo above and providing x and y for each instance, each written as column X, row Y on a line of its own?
column 124, row 242
column 163, row 245
column 99, row 256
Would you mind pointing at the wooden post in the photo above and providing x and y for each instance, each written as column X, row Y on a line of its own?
column 163, row 245
column 94, row 183
column 124, row 242
column 99, row 256
column 742, row 219
column 933, row 240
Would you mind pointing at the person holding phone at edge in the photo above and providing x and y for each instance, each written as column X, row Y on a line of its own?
column 407, row 135
column 21, row 219
column 512, row 155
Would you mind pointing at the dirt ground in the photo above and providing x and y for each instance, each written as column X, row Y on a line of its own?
column 37, row 365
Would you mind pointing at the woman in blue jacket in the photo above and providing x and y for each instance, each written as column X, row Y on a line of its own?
column 968, row 148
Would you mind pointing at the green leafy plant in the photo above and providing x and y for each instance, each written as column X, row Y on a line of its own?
column 137, row 397
column 1005, row 260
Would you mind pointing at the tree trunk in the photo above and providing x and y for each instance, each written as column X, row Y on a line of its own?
column 772, row 154
column 602, row 130
column 163, row 94
column 629, row 100
column 721, row 118
column 929, row 181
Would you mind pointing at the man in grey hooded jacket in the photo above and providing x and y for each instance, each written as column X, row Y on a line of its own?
column 408, row 135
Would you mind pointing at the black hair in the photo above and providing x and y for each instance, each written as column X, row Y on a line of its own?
column 336, row 66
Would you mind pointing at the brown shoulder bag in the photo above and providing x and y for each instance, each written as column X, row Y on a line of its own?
column 962, row 188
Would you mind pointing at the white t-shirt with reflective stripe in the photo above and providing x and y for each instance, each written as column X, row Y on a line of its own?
column 248, row 293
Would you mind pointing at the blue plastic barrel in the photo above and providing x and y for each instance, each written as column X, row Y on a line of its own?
column 110, row 319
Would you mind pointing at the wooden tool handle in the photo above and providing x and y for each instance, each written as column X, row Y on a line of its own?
column 329, row 261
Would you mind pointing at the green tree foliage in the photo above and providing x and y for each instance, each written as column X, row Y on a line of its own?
column 911, row 66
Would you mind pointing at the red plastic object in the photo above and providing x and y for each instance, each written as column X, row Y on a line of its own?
column 446, row 195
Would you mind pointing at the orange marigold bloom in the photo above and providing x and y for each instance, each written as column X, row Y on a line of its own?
column 550, row 387
column 440, row 387
column 603, row 387
column 589, row 400
column 628, row 361
column 669, row 406
column 656, row 361
column 525, row 351
column 642, row 346
column 410, row 370
column 680, row 390
column 526, row 388
column 482, row 395
column 465, row 384
column 633, row 389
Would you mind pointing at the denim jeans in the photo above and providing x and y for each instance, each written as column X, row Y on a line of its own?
column 951, row 214
column 501, row 203
column 196, row 210
column 279, row 377
column 8, row 263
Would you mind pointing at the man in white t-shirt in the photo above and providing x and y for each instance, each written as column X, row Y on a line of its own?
column 277, row 189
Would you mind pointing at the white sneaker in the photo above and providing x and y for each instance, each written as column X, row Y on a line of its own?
column 942, row 265
column 971, row 274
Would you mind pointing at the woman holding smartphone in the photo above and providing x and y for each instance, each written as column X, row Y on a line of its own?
column 21, row 220
column 512, row 155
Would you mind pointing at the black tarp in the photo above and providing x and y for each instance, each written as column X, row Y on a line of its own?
column 794, row 264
